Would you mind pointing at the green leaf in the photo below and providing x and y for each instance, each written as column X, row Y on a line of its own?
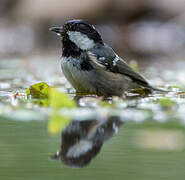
column 39, row 90
column 42, row 102
column 60, row 100
column 57, row 101
column 167, row 102
column 175, row 87
column 57, row 122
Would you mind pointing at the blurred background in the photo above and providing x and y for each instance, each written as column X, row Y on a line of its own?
column 139, row 30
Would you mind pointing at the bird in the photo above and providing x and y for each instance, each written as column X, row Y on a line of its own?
column 91, row 66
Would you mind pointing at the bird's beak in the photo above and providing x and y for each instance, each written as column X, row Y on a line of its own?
column 57, row 30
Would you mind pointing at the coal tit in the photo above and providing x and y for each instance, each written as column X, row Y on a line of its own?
column 91, row 66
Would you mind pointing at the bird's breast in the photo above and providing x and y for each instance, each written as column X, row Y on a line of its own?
column 94, row 81
column 79, row 79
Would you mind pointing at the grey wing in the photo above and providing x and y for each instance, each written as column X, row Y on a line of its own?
column 105, row 58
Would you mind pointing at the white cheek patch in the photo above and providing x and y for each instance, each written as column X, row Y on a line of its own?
column 79, row 148
column 81, row 40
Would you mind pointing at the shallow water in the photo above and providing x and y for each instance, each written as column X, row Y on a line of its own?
column 25, row 147
column 148, row 143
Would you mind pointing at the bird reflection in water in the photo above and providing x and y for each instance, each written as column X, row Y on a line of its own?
column 82, row 140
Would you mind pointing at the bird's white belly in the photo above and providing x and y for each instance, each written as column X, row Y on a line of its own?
column 79, row 79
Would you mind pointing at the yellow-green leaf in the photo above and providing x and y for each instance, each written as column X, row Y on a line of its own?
column 39, row 90
column 42, row 102
column 167, row 102
column 57, row 122
column 60, row 100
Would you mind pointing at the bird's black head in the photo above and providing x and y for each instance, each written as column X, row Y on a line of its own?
column 77, row 36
